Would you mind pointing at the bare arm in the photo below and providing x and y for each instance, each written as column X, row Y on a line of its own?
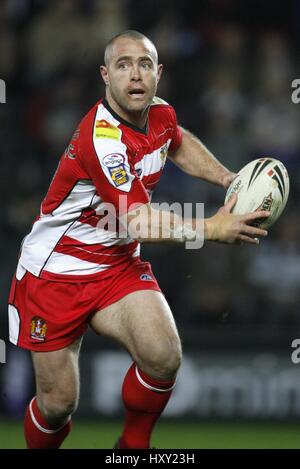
column 149, row 225
column 195, row 159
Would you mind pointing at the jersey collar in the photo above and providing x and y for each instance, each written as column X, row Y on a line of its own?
column 143, row 131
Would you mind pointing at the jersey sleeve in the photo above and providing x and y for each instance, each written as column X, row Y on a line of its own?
column 177, row 134
column 105, row 158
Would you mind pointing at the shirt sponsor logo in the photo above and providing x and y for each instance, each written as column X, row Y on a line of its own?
column 119, row 175
column 113, row 159
column 38, row 329
column 104, row 129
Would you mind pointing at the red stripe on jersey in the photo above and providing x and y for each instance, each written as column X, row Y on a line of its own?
column 96, row 253
column 112, row 250
column 89, row 217
column 95, row 258
column 152, row 179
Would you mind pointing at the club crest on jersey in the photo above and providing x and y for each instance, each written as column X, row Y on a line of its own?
column 70, row 152
column 119, row 175
column 139, row 169
column 104, row 129
column 163, row 154
column 38, row 329
column 113, row 159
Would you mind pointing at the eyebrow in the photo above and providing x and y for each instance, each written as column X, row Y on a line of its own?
column 128, row 57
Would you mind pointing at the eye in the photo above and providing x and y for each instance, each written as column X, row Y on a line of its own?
column 123, row 65
column 146, row 65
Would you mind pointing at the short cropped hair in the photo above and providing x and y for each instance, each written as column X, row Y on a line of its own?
column 130, row 33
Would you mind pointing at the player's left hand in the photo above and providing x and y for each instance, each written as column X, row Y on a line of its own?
column 228, row 178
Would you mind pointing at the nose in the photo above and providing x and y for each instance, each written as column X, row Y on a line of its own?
column 135, row 73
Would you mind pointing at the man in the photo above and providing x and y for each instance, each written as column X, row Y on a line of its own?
column 73, row 272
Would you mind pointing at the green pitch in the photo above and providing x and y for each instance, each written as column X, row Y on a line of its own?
column 173, row 435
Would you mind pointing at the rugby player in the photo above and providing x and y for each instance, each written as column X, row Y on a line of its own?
column 74, row 272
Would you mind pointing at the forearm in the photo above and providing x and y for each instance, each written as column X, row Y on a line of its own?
column 146, row 224
column 195, row 159
column 149, row 225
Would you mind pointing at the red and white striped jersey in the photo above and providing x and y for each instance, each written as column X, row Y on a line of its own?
column 107, row 157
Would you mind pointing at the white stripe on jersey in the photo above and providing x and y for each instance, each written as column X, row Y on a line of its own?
column 91, row 235
column 88, row 234
column 152, row 162
column 80, row 197
column 69, row 265
column 47, row 231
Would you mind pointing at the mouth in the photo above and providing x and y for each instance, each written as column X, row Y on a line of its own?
column 137, row 93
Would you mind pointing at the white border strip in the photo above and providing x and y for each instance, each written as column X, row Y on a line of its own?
column 148, row 385
column 36, row 423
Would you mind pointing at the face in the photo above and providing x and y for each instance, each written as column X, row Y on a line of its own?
column 131, row 75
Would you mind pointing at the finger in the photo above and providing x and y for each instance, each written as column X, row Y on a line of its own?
column 231, row 203
column 251, row 230
column 256, row 215
column 247, row 239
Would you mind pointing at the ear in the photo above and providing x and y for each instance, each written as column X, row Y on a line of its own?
column 104, row 74
column 159, row 71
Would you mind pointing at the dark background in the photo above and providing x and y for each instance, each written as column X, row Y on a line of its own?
column 229, row 66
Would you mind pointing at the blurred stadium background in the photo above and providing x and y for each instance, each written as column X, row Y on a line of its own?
column 229, row 66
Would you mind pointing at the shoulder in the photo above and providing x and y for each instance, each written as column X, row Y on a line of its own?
column 158, row 101
column 161, row 109
column 160, row 105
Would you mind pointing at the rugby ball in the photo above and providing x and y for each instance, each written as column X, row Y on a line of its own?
column 262, row 184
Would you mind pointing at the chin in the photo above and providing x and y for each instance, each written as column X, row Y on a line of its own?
column 137, row 107
column 140, row 106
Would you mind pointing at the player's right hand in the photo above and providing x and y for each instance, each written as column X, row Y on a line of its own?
column 226, row 227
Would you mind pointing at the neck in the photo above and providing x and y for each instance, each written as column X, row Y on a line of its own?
column 138, row 118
